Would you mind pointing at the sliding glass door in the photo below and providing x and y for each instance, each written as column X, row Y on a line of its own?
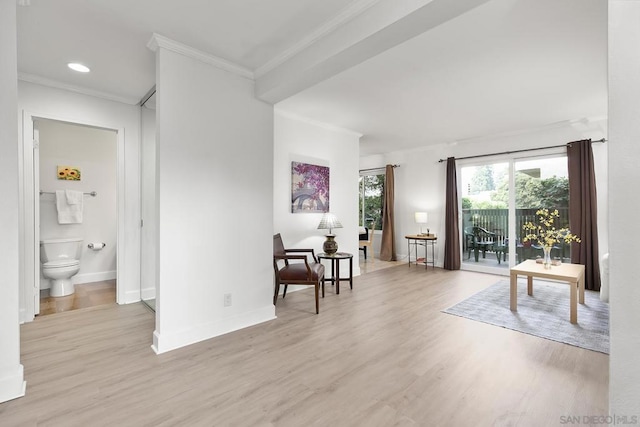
column 541, row 183
column 497, row 198
column 485, row 216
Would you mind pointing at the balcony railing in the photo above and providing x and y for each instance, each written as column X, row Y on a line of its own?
column 497, row 221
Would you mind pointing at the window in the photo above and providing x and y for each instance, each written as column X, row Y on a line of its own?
column 371, row 193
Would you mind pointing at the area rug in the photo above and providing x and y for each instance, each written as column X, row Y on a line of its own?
column 545, row 314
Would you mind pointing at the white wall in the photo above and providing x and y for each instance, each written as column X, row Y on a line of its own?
column 304, row 141
column 420, row 180
column 624, row 205
column 12, row 383
column 71, row 107
column 215, row 206
column 93, row 150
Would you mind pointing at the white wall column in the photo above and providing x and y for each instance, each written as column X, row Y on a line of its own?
column 12, row 382
column 215, row 199
column 624, row 205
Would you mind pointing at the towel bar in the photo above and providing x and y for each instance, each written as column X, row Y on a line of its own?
column 92, row 194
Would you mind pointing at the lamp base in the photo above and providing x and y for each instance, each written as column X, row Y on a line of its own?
column 423, row 234
column 330, row 246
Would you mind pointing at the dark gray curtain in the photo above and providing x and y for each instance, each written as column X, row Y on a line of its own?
column 451, row 230
column 388, row 245
column 583, row 211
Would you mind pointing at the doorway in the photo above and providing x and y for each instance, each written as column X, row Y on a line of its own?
column 82, row 159
column 102, row 264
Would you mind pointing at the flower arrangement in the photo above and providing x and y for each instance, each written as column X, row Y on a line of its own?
column 545, row 232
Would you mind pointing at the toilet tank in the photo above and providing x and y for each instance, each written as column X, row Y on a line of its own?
column 54, row 249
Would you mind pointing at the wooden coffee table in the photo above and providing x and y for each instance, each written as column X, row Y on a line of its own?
column 571, row 273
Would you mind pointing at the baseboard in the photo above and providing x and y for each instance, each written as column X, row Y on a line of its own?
column 12, row 384
column 293, row 288
column 148, row 293
column 164, row 342
column 131, row 297
column 100, row 276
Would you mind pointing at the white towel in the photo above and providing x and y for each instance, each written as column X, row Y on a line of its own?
column 74, row 197
column 69, row 213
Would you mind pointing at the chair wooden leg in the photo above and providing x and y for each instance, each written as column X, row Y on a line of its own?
column 284, row 294
column 276, row 292
column 317, row 301
column 322, row 281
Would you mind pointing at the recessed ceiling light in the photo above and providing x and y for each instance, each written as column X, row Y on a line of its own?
column 78, row 67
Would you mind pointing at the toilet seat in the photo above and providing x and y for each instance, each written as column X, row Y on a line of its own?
column 61, row 263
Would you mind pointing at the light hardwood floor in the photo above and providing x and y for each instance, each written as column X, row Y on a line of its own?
column 85, row 295
column 381, row 355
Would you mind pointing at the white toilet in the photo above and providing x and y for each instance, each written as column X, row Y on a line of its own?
column 60, row 260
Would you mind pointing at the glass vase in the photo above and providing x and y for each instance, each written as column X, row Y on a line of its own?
column 547, row 257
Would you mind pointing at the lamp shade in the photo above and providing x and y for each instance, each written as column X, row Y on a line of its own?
column 421, row 217
column 329, row 221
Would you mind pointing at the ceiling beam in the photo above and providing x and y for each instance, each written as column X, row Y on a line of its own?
column 381, row 26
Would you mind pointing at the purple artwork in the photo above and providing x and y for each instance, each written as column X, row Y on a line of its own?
column 309, row 188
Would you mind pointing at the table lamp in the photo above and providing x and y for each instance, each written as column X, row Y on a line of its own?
column 421, row 218
column 329, row 221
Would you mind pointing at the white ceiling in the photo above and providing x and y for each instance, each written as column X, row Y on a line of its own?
column 504, row 66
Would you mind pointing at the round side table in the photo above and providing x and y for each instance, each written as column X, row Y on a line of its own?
column 335, row 268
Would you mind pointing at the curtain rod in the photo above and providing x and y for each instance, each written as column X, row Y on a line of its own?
column 375, row 169
column 517, row 151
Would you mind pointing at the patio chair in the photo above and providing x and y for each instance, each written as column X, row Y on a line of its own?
column 478, row 239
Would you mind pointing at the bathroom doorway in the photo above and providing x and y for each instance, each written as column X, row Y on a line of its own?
column 100, row 264
column 78, row 158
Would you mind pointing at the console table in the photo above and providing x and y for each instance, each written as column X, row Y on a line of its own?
column 425, row 240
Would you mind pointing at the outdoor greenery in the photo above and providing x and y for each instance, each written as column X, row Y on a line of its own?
column 371, row 193
column 531, row 193
column 535, row 192
column 482, row 180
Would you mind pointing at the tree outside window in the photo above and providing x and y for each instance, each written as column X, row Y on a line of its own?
column 371, row 194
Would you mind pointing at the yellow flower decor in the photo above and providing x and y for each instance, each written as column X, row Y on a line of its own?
column 68, row 173
column 545, row 232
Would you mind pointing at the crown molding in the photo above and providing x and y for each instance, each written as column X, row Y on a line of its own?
column 43, row 81
column 349, row 13
column 570, row 123
column 317, row 123
column 159, row 41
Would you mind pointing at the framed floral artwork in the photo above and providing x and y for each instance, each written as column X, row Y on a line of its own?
column 69, row 173
column 309, row 188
